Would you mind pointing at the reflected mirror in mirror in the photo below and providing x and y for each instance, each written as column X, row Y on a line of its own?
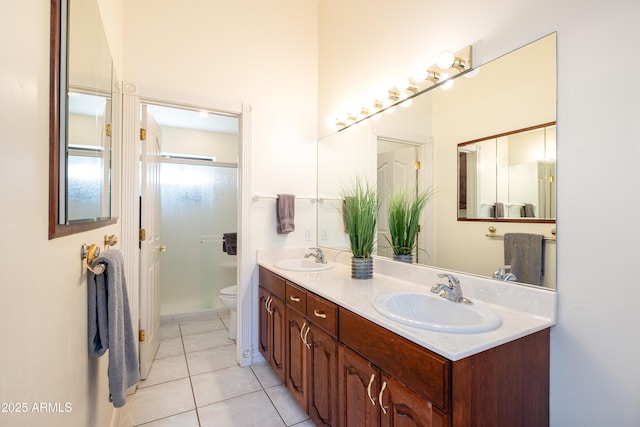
column 515, row 91
column 509, row 177
column 82, row 106
column 88, row 158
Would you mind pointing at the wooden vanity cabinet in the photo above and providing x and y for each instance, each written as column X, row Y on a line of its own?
column 271, row 320
column 346, row 370
column 507, row 385
column 312, row 354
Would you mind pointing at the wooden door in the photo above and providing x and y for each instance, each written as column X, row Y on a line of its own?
column 297, row 356
column 402, row 407
column 358, row 386
column 265, row 328
column 278, row 341
column 323, row 375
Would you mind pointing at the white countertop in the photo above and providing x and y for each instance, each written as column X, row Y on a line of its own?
column 523, row 309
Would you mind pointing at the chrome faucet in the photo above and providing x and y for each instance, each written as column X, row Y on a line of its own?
column 500, row 274
column 318, row 255
column 451, row 291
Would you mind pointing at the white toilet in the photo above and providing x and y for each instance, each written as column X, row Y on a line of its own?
column 229, row 298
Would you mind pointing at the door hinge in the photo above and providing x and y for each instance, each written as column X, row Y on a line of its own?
column 416, row 165
column 142, row 235
column 107, row 130
column 143, row 134
column 141, row 335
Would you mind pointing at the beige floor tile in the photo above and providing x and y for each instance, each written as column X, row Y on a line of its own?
column 249, row 410
column 158, row 401
column 171, row 330
column 215, row 386
column 170, row 347
column 166, row 369
column 206, row 340
column 200, row 326
column 211, row 359
column 286, row 405
column 266, row 375
column 186, row 419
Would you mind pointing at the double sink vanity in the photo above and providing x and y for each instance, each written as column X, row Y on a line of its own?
column 388, row 351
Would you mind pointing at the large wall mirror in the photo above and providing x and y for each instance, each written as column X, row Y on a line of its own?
column 417, row 148
column 83, row 108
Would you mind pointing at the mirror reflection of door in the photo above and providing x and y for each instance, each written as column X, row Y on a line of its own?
column 396, row 169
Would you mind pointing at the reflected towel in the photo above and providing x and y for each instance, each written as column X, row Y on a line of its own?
column 230, row 243
column 528, row 211
column 499, row 213
column 109, row 324
column 285, row 213
column 525, row 253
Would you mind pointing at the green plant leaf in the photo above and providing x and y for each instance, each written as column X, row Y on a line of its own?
column 361, row 213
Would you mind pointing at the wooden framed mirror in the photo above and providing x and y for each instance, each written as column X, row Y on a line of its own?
column 93, row 78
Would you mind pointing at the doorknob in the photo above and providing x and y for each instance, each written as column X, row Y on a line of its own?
column 162, row 248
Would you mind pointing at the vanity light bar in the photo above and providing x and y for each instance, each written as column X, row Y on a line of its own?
column 452, row 63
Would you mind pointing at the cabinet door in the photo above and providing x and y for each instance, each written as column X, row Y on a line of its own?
column 265, row 326
column 297, row 356
column 400, row 406
column 358, row 385
column 323, row 376
column 278, row 341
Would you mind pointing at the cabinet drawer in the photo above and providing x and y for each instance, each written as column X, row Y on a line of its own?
column 418, row 368
column 272, row 282
column 296, row 297
column 322, row 313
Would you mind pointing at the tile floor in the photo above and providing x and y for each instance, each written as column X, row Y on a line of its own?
column 195, row 381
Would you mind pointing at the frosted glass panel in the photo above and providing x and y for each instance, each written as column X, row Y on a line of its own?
column 85, row 181
column 198, row 205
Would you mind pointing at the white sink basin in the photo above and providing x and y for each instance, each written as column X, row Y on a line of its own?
column 436, row 313
column 302, row 264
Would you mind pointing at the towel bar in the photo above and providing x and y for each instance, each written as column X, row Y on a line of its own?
column 89, row 253
column 492, row 234
column 273, row 196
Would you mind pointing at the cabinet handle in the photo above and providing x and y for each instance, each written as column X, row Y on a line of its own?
column 384, row 410
column 304, row 325
column 305, row 337
column 319, row 314
column 373, row 401
column 294, row 298
column 268, row 305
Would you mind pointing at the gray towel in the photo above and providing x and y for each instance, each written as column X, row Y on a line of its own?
column 229, row 243
column 285, row 212
column 110, row 325
column 499, row 213
column 524, row 252
column 528, row 211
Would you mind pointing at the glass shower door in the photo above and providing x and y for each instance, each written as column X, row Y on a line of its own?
column 198, row 205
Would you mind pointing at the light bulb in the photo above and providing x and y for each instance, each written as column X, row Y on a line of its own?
column 402, row 85
column 445, row 60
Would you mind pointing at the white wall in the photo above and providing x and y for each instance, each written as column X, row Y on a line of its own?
column 42, row 284
column 264, row 54
column 594, row 348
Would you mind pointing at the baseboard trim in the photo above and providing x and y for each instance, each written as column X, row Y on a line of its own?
column 209, row 314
